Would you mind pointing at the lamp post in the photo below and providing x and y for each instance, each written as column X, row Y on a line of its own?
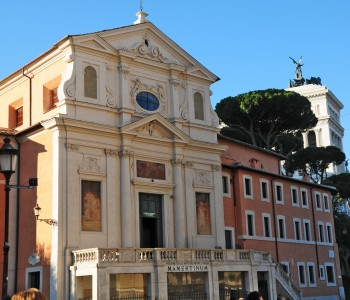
column 8, row 160
column 37, row 210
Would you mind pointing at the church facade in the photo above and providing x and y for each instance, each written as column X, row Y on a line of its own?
column 119, row 130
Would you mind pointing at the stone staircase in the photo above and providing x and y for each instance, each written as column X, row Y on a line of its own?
column 285, row 283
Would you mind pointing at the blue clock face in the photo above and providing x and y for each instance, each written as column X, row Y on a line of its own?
column 147, row 101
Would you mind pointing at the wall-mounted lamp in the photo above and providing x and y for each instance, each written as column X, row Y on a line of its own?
column 37, row 210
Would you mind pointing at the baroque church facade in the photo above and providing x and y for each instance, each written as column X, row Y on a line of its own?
column 140, row 197
column 119, row 130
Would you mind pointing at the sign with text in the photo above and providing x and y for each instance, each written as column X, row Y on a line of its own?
column 187, row 268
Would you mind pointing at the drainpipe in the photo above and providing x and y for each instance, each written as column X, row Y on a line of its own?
column 315, row 228
column 274, row 217
column 30, row 95
column 17, row 215
column 234, row 196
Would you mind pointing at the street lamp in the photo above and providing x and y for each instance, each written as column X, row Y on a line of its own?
column 37, row 210
column 8, row 161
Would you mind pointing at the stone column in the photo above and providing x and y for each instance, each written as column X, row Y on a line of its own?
column 318, row 132
column 219, row 210
column 73, row 283
column 305, row 139
column 112, row 187
column 179, row 205
column 125, row 199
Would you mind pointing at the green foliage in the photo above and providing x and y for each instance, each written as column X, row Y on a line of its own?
column 315, row 161
column 263, row 117
column 342, row 183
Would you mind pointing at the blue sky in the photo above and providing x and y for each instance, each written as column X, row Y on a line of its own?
column 245, row 43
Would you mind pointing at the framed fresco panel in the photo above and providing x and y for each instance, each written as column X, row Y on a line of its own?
column 152, row 170
column 91, row 205
column 203, row 214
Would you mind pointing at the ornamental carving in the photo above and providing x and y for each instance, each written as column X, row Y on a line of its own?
column 125, row 153
column 214, row 118
column 72, row 147
column 202, row 179
column 110, row 96
column 110, row 152
column 124, row 71
column 34, row 259
column 188, row 164
column 157, row 90
column 176, row 83
column 69, row 89
column 216, row 168
column 90, row 165
column 176, row 162
column 145, row 49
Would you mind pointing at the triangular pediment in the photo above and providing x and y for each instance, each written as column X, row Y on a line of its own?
column 200, row 71
column 156, row 127
column 144, row 41
column 95, row 42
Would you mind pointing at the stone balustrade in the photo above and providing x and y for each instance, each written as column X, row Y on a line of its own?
column 167, row 255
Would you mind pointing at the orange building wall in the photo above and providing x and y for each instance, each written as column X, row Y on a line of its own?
column 36, row 161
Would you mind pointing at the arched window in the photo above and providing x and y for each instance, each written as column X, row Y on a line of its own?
column 198, row 106
column 312, row 139
column 90, row 82
column 147, row 101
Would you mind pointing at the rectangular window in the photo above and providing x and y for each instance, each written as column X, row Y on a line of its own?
column 311, row 273
column 285, row 267
column 266, row 225
column 34, row 280
column 294, row 194
column 250, row 223
column 91, row 205
column 307, row 230
column 264, row 190
column 34, row 275
column 321, row 232
column 279, row 193
column 53, row 98
column 281, row 227
column 297, row 229
column 330, row 276
column 225, row 185
column 50, row 95
column 301, row 273
column 326, row 203
column 19, row 116
column 304, row 200
column 203, row 214
column 318, row 201
column 329, row 233
column 248, row 190
column 228, row 238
